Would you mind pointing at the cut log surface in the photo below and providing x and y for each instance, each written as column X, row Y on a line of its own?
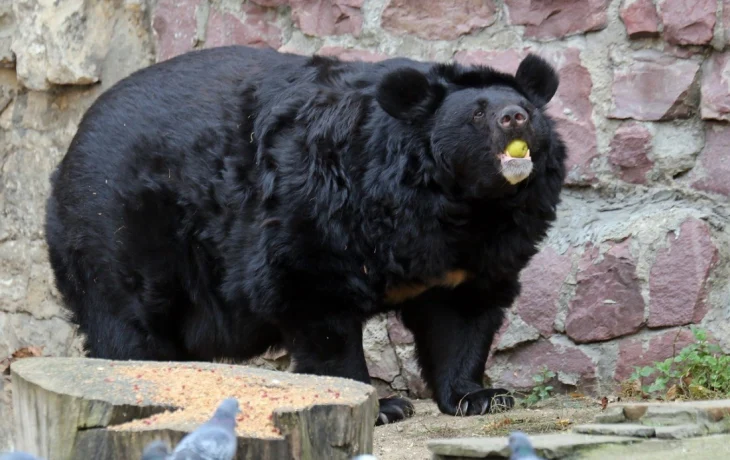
column 80, row 408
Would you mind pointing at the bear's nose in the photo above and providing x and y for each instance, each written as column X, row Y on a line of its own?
column 513, row 116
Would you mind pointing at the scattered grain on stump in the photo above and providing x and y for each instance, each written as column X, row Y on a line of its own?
column 75, row 408
column 196, row 391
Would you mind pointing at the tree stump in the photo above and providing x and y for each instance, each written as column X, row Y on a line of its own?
column 80, row 408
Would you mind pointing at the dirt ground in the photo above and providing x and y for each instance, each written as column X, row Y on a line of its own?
column 407, row 440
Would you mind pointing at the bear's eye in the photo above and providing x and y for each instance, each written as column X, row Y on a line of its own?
column 478, row 114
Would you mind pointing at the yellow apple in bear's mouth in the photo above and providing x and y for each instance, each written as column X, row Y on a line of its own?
column 517, row 149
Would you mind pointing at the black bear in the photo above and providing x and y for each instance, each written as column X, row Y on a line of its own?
column 234, row 200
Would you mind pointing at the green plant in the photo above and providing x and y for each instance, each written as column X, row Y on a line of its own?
column 699, row 371
column 541, row 390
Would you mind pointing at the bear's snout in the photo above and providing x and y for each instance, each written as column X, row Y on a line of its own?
column 513, row 117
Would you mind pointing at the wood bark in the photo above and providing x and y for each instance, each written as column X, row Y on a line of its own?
column 64, row 408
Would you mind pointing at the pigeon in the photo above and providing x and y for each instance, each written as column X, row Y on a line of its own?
column 18, row 456
column 156, row 450
column 365, row 457
column 521, row 447
column 213, row 440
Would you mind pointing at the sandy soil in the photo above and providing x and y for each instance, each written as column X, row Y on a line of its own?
column 407, row 440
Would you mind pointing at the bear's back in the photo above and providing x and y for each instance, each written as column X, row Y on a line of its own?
column 170, row 106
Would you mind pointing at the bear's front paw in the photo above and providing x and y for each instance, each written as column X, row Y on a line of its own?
column 394, row 410
column 482, row 401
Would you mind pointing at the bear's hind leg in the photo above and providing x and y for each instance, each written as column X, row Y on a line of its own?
column 333, row 347
column 113, row 331
column 393, row 410
column 113, row 338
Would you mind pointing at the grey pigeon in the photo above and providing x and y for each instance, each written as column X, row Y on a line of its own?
column 521, row 447
column 365, row 457
column 214, row 439
column 156, row 450
column 18, row 456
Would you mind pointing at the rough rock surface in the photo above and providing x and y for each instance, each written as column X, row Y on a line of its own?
column 397, row 332
column 726, row 20
column 254, row 30
column 60, row 43
column 271, row 3
column 513, row 332
column 176, row 26
column 7, row 29
column 715, row 100
column 713, row 160
column 640, row 18
column 629, row 154
column 328, row 17
column 349, row 54
column 634, row 351
column 379, row 352
column 607, row 302
column 438, row 19
column 572, row 365
column 559, row 18
column 688, row 22
column 541, row 283
column 654, row 87
column 677, row 286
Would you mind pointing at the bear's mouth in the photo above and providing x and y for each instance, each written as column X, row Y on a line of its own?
column 515, row 170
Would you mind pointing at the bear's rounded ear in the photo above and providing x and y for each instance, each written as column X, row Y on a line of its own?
column 538, row 78
column 407, row 94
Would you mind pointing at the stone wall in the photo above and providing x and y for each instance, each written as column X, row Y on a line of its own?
column 641, row 248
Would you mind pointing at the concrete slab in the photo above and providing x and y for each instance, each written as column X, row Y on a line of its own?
column 715, row 447
column 617, row 429
column 612, row 414
column 675, row 413
column 549, row 446
column 680, row 431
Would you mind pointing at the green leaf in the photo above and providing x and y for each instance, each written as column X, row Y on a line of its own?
column 705, row 362
column 646, row 371
column 664, row 367
column 699, row 334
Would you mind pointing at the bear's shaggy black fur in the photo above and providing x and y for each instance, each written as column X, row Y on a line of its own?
column 232, row 200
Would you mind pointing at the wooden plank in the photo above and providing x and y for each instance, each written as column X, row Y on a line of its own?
column 71, row 408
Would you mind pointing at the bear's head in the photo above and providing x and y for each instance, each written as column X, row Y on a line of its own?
column 471, row 114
